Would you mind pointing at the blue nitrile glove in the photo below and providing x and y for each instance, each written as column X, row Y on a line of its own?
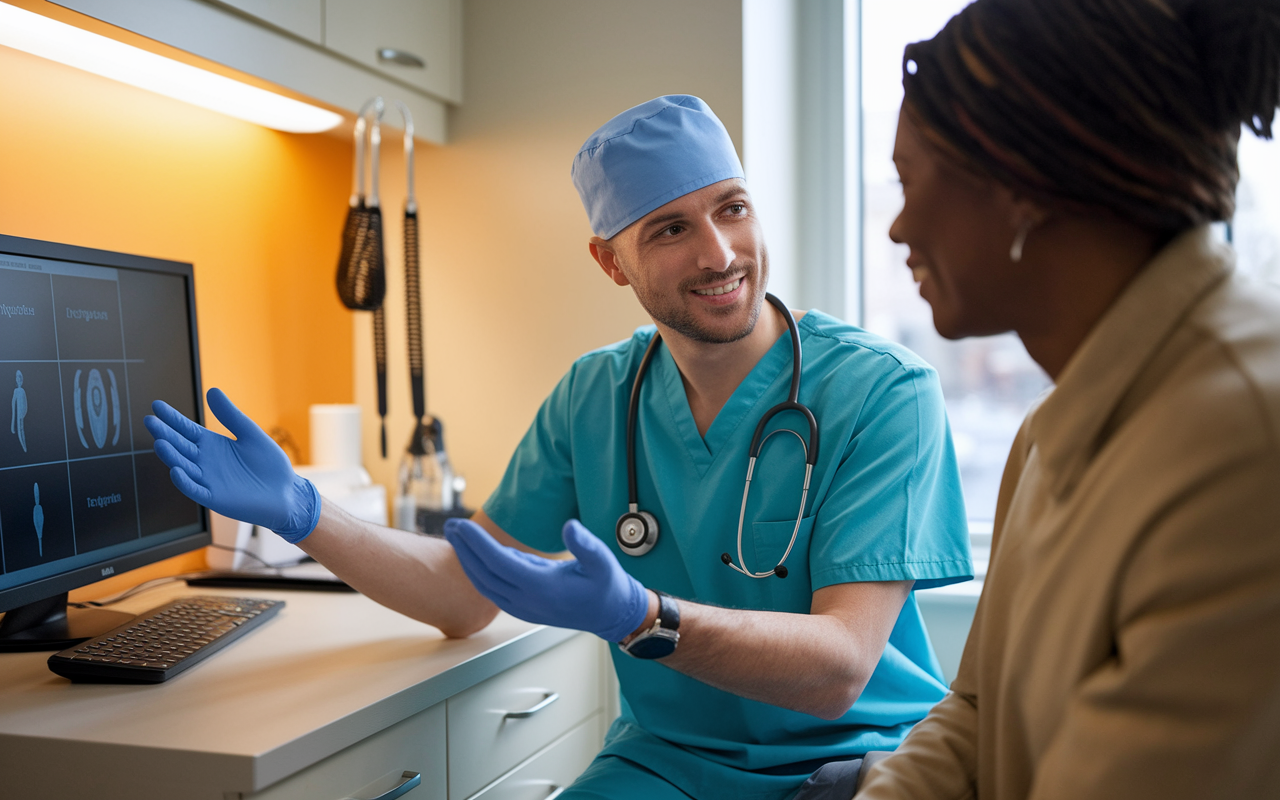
column 248, row 478
column 592, row 594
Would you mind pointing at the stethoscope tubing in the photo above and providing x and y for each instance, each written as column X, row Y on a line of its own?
column 792, row 403
column 633, row 413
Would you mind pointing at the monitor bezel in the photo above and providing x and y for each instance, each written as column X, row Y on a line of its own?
column 80, row 577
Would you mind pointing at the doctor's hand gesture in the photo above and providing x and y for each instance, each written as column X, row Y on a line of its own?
column 248, row 478
column 592, row 593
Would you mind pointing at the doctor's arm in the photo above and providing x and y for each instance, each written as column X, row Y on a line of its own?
column 250, row 478
column 816, row 663
column 418, row 576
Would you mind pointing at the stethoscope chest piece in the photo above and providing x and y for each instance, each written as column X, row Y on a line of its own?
column 637, row 532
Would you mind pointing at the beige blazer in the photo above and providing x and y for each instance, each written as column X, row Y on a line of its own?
column 1127, row 643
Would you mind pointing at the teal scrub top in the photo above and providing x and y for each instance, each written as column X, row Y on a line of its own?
column 884, row 505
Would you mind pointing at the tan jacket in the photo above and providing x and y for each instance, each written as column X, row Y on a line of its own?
column 1127, row 643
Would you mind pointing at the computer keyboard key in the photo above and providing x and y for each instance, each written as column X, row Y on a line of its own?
column 165, row 641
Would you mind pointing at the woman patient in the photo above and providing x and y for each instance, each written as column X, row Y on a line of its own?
column 1062, row 161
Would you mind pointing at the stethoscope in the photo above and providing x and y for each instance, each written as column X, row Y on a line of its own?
column 637, row 530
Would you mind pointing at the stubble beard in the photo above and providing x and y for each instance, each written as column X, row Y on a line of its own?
column 683, row 321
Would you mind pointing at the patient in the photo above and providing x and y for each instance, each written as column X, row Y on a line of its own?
column 1061, row 162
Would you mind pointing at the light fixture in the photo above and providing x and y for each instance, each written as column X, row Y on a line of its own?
column 67, row 44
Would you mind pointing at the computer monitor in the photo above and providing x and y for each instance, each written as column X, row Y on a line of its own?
column 88, row 339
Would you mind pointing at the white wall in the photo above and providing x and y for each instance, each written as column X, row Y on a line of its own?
column 511, row 295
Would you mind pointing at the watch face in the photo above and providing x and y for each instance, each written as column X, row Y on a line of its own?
column 654, row 645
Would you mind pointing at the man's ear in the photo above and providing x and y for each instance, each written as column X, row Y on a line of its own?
column 605, row 256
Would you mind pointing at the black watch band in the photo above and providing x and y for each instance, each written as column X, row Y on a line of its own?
column 661, row 639
column 668, row 611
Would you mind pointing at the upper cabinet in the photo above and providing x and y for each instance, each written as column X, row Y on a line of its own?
column 414, row 41
column 303, row 18
column 340, row 52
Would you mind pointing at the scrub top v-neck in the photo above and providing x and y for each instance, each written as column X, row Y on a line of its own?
column 737, row 411
column 884, row 505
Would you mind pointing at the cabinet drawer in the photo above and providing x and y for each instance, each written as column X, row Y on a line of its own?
column 371, row 767
column 552, row 769
column 497, row 724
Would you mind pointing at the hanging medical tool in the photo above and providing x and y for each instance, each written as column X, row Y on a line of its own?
column 429, row 491
column 637, row 530
column 362, row 281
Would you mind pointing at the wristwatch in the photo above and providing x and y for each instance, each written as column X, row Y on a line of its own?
column 660, row 640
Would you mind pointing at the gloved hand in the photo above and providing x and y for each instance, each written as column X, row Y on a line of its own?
column 591, row 594
column 248, row 478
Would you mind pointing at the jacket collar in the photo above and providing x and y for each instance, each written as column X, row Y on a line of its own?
column 1067, row 426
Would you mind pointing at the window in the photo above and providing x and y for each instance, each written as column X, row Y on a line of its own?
column 990, row 382
column 1255, row 231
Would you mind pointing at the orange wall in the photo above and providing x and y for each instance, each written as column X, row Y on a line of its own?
column 87, row 161
column 510, row 293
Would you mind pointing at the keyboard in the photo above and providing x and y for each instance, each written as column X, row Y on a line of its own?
column 161, row 643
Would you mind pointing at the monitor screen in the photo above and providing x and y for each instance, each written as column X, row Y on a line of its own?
column 88, row 339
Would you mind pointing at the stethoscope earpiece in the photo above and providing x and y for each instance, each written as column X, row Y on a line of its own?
column 637, row 530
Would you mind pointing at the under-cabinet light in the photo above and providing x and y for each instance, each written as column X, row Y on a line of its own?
column 67, row 44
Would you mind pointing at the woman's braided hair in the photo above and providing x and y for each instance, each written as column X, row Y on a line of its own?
column 1132, row 106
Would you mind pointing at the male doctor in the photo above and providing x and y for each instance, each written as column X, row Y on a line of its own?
column 732, row 685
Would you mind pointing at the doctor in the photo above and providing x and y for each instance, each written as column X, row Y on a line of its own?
column 732, row 685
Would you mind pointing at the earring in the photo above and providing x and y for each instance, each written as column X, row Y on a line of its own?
column 1019, row 241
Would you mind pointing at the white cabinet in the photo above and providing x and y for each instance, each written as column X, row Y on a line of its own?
column 322, row 49
column 413, row 41
column 335, row 697
column 497, row 724
column 551, row 769
column 375, row 765
column 520, row 734
column 303, row 18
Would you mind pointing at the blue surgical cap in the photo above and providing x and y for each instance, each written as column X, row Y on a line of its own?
column 648, row 156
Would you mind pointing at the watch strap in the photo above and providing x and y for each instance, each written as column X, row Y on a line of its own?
column 660, row 638
column 668, row 611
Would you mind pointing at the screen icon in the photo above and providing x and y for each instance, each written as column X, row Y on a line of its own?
column 96, row 405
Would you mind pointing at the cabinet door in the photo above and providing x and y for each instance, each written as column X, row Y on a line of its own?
column 372, row 767
column 496, row 724
column 548, row 772
column 394, row 36
column 303, row 18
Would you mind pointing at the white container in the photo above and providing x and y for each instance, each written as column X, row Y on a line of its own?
column 335, row 435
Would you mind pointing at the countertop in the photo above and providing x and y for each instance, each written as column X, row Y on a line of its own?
column 351, row 668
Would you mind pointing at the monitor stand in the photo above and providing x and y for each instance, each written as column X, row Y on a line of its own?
column 50, row 625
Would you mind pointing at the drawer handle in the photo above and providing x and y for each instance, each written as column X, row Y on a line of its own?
column 408, row 780
column 556, row 789
column 402, row 57
column 550, row 698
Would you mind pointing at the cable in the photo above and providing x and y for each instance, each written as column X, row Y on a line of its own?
column 131, row 591
column 258, row 558
column 156, row 582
